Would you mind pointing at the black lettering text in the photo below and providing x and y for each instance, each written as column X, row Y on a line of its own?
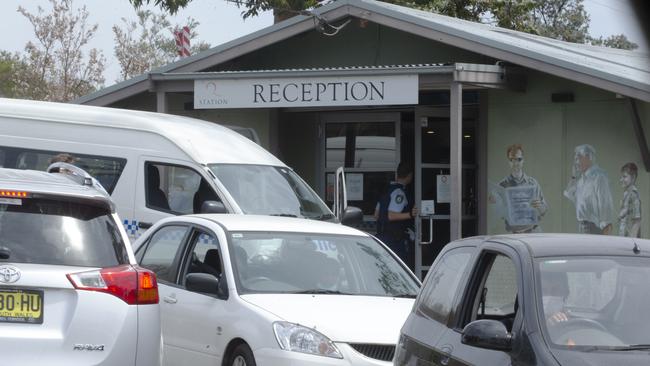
column 306, row 92
column 274, row 93
column 284, row 92
column 374, row 89
column 359, row 91
column 258, row 90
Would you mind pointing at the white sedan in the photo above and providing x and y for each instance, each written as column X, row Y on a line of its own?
column 262, row 290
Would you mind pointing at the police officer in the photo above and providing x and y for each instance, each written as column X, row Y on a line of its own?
column 394, row 213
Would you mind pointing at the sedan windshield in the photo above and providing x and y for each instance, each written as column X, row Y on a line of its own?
column 594, row 302
column 269, row 190
column 317, row 264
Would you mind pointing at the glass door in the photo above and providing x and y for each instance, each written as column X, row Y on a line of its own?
column 432, row 181
column 367, row 146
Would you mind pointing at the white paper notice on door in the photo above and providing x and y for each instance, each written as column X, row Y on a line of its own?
column 354, row 186
column 443, row 185
column 428, row 208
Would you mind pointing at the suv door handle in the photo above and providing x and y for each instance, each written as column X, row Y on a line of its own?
column 170, row 299
column 144, row 225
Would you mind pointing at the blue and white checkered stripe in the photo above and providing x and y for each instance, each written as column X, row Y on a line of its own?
column 207, row 239
column 131, row 227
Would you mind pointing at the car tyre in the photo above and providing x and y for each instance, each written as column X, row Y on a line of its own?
column 242, row 356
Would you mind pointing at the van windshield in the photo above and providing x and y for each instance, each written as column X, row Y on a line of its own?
column 270, row 190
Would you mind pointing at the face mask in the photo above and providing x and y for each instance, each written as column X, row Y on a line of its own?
column 552, row 304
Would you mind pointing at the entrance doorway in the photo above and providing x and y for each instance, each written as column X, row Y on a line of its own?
column 432, row 180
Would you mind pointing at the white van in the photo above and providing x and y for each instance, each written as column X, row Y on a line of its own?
column 157, row 165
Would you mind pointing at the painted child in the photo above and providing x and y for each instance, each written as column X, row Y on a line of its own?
column 629, row 218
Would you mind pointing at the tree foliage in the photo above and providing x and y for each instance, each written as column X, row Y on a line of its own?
column 148, row 43
column 565, row 20
column 57, row 66
column 9, row 65
column 614, row 41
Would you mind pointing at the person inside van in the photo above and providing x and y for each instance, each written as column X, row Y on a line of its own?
column 156, row 197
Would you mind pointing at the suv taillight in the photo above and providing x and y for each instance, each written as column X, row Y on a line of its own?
column 133, row 284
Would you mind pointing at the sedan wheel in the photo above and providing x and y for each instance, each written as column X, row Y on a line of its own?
column 242, row 356
column 239, row 361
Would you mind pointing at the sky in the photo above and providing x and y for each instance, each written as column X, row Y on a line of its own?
column 221, row 21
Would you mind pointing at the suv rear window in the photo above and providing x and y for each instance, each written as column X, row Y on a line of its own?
column 57, row 232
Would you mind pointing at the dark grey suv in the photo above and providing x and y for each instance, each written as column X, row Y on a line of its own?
column 552, row 299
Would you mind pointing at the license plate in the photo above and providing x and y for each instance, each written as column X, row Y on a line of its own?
column 21, row 306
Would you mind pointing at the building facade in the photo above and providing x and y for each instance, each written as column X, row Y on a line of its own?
column 508, row 132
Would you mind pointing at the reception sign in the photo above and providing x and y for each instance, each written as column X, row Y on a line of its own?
column 306, row 92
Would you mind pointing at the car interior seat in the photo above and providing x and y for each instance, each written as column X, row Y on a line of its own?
column 156, row 197
column 212, row 262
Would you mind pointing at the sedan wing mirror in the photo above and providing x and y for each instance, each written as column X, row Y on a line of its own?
column 488, row 334
column 352, row 216
column 204, row 283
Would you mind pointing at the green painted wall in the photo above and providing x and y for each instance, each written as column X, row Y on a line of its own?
column 549, row 132
column 353, row 46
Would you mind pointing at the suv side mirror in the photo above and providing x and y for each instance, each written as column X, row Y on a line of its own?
column 488, row 334
column 213, row 207
column 352, row 216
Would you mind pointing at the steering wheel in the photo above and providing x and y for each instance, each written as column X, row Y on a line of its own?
column 581, row 322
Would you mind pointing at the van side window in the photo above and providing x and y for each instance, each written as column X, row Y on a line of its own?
column 443, row 284
column 107, row 170
column 175, row 188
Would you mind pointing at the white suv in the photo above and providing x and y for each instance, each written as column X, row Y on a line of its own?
column 71, row 292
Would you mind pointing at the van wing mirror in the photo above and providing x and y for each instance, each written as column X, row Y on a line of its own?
column 488, row 334
column 352, row 216
column 213, row 207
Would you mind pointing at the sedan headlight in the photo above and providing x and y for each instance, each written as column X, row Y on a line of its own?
column 294, row 337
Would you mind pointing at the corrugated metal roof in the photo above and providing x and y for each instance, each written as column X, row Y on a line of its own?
column 625, row 72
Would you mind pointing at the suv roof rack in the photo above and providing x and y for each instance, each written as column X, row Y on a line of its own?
column 77, row 175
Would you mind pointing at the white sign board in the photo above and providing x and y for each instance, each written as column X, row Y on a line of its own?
column 354, row 186
column 443, row 188
column 306, row 92
column 428, row 208
column 520, row 211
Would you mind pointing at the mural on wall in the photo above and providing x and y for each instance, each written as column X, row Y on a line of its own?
column 629, row 217
column 589, row 191
column 518, row 198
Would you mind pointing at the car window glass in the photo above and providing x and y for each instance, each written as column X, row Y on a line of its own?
column 161, row 251
column 278, row 262
column 107, row 170
column 176, row 188
column 2, row 158
column 60, row 232
column 594, row 301
column 443, row 283
column 500, row 288
column 206, row 255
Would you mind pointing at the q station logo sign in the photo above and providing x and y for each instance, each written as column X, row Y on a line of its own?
column 306, row 92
